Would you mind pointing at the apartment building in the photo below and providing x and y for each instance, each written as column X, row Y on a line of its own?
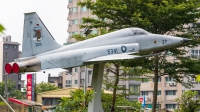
column 73, row 77
column 76, row 13
column 10, row 51
column 168, row 90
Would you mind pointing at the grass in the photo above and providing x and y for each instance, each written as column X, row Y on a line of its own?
column 2, row 103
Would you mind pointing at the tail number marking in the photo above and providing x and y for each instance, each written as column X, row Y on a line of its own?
column 38, row 44
column 112, row 51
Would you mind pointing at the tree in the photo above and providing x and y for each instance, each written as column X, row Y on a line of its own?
column 43, row 87
column 156, row 16
column 189, row 102
column 120, row 101
column 1, row 28
column 76, row 102
column 10, row 87
column 16, row 94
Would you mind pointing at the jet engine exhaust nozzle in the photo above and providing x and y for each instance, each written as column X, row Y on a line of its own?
column 16, row 68
column 8, row 68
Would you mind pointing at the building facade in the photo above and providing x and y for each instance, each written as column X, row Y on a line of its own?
column 76, row 13
column 10, row 52
column 1, row 61
column 168, row 90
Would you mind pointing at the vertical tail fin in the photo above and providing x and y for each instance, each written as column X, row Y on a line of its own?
column 36, row 37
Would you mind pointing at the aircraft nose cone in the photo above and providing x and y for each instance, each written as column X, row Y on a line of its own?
column 186, row 40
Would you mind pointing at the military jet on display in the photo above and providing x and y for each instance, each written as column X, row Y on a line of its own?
column 41, row 52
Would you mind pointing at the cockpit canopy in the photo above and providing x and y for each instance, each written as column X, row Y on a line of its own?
column 139, row 31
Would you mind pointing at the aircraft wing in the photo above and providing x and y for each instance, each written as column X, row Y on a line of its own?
column 113, row 57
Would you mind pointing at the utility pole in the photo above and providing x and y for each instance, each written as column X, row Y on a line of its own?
column 6, row 81
column 87, row 31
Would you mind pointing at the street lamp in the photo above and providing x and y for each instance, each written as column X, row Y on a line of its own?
column 87, row 31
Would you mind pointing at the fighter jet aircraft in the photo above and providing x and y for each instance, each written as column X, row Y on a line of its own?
column 41, row 52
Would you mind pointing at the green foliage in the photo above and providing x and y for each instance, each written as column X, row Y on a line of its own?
column 2, row 103
column 120, row 101
column 1, row 28
column 10, row 87
column 76, row 102
column 16, row 94
column 43, row 87
column 188, row 102
column 198, row 78
column 155, row 16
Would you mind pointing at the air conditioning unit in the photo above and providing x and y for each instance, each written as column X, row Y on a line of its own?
column 70, row 24
column 174, row 83
column 171, row 84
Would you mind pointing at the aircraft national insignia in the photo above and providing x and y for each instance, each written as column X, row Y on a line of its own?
column 123, row 48
column 37, row 33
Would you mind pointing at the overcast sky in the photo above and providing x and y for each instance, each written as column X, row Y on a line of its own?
column 52, row 12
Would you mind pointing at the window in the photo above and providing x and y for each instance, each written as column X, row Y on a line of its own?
column 194, row 53
column 67, row 85
column 193, row 80
column 159, row 79
column 94, row 32
column 170, row 92
column 75, row 81
column 134, row 89
column 68, row 82
column 89, row 75
column 104, row 19
column 84, row 8
column 144, row 93
column 74, row 33
column 169, row 79
column 70, row 1
column 96, row 18
column 15, row 47
column 74, row 9
column 76, row 69
column 82, row 33
column 170, row 106
column 90, row 72
column 6, row 46
column 74, row 21
column 81, row 21
column 158, row 92
column 82, row 81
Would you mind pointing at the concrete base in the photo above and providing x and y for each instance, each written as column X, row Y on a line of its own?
column 97, row 77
